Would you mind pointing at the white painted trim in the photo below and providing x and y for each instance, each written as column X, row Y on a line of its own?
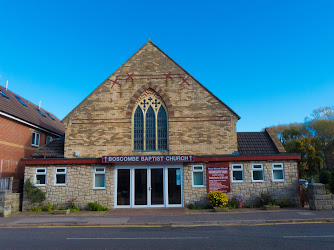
column 35, row 180
column 28, row 123
column 197, row 171
column 148, row 167
column 60, row 173
column 257, row 169
column 99, row 173
column 242, row 171
column 272, row 172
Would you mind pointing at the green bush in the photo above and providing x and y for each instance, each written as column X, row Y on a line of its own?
column 72, row 205
column 286, row 203
column 34, row 194
column 36, row 209
column 325, row 177
column 49, row 207
column 95, row 206
column 266, row 199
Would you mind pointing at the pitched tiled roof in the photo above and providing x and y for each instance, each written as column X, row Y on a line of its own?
column 29, row 112
column 54, row 149
column 255, row 143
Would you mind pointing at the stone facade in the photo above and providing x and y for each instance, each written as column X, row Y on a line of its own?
column 79, row 185
column 198, row 121
column 80, row 179
column 318, row 199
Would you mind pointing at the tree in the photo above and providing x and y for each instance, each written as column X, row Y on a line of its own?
column 321, row 125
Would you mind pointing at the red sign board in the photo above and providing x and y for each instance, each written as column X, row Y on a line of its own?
column 148, row 158
column 218, row 177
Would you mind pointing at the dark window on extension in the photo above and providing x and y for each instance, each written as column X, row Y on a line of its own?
column 3, row 94
column 50, row 116
column 20, row 100
column 40, row 112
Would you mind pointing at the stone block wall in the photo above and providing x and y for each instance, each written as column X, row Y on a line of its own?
column 318, row 199
column 250, row 190
column 280, row 190
column 193, row 195
column 5, row 203
column 198, row 123
column 79, row 185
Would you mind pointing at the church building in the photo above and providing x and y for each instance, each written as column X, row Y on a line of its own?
column 151, row 135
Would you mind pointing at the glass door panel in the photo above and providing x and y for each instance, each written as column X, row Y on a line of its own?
column 123, row 187
column 157, row 186
column 140, row 186
column 174, row 186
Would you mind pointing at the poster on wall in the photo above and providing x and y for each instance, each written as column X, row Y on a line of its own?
column 218, row 177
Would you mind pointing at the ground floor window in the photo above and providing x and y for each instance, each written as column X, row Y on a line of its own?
column 237, row 173
column 99, row 177
column 60, row 176
column 257, row 173
column 278, row 172
column 40, row 176
column 198, row 176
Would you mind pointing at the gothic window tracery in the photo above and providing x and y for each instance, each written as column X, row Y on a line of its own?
column 150, row 123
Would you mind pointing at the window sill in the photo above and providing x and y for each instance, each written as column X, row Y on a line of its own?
column 198, row 186
column 144, row 151
column 258, row 181
column 60, row 185
column 237, row 181
column 40, row 185
column 36, row 146
column 102, row 188
column 278, row 180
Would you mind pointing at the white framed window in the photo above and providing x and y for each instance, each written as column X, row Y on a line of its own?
column 237, row 173
column 257, row 173
column 278, row 171
column 99, row 177
column 35, row 139
column 40, row 176
column 60, row 176
column 198, row 176
column 48, row 139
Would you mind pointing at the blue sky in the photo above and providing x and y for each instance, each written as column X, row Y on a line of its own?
column 272, row 62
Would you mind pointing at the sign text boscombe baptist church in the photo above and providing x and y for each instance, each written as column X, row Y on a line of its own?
column 148, row 158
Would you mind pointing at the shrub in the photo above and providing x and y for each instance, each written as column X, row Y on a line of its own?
column 49, row 207
column 72, row 206
column 266, row 199
column 34, row 194
column 95, row 206
column 217, row 199
column 36, row 209
column 286, row 203
column 303, row 195
column 325, row 177
column 237, row 201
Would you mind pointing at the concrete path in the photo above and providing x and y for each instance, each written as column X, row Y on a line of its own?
column 166, row 217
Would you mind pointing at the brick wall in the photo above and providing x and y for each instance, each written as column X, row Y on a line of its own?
column 198, row 122
column 15, row 143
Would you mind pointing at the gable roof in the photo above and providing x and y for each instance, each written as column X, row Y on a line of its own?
column 256, row 143
column 54, row 149
column 20, row 108
column 150, row 43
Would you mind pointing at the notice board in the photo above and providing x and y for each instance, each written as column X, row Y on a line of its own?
column 218, row 177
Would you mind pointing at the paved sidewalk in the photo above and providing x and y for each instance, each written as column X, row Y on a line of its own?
column 166, row 217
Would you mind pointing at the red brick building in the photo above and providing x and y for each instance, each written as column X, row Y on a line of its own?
column 24, row 127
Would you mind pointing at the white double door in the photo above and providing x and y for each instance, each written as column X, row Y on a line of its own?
column 148, row 186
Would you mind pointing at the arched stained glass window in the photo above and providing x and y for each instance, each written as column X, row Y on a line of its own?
column 138, row 129
column 150, row 129
column 150, row 123
column 162, row 129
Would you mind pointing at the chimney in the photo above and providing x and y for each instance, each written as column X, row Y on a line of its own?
column 6, row 84
column 40, row 103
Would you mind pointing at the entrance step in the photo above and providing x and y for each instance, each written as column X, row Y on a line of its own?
column 146, row 211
